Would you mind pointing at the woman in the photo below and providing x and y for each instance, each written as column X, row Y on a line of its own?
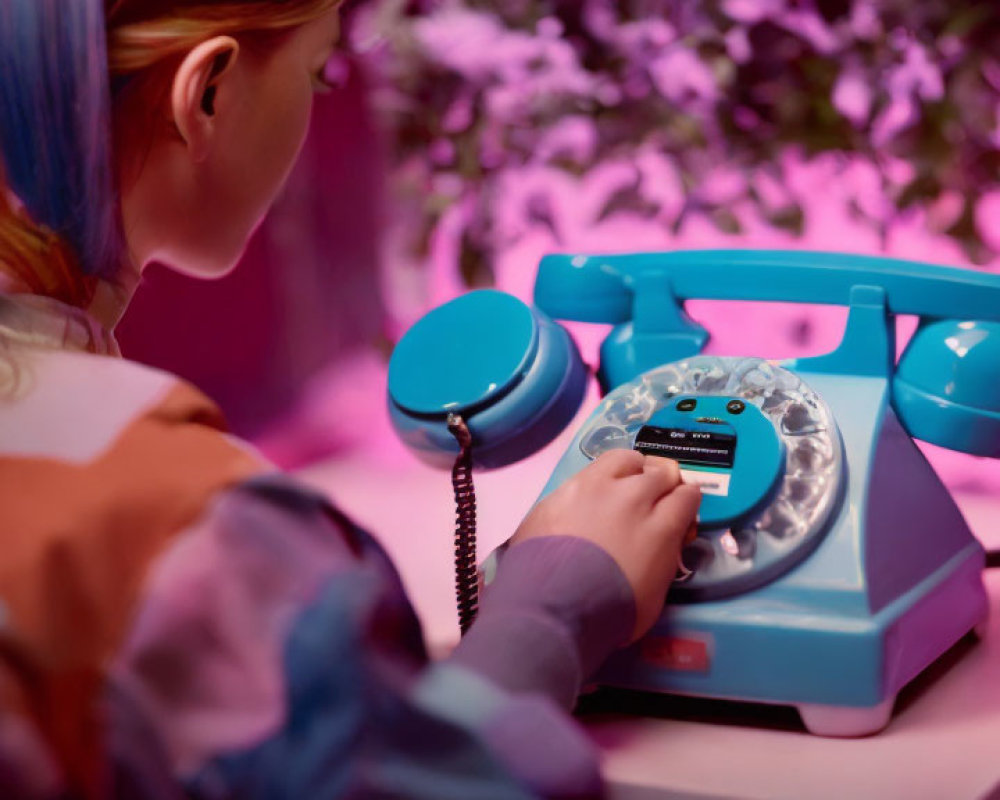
column 176, row 618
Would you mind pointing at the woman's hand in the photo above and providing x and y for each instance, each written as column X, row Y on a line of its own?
column 636, row 508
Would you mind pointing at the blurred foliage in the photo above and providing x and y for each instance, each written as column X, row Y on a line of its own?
column 712, row 92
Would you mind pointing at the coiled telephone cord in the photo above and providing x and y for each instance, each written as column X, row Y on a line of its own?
column 466, row 570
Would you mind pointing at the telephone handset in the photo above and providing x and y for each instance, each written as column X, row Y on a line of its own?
column 943, row 388
column 826, row 543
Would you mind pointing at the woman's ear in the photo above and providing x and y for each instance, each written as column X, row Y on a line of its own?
column 194, row 90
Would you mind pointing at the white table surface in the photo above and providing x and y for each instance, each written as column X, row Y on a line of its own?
column 943, row 742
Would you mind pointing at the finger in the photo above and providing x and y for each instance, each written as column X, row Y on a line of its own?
column 661, row 475
column 692, row 533
column 676, row 512
column 618, row 463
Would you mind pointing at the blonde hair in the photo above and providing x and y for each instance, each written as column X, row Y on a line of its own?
column 137, row 42
column 37, row 260
column 61, row 81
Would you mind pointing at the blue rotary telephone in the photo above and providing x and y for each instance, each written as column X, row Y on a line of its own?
column 832, row 566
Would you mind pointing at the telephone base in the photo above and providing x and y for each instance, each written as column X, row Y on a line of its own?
column 841, row 671
column 846, row 722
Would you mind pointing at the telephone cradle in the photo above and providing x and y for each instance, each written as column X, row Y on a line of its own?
column 831, row 565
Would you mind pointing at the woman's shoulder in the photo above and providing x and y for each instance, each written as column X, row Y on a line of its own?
column 91, row 442
column 73, row 406
column 164, row 560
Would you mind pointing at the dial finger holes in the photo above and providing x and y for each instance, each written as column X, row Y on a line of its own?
column 607, row 437
column 740, row 544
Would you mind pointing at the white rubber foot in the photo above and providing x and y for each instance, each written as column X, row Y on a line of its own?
column 845, row 721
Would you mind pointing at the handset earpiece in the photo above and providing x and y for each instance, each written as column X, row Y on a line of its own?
column 485, row 381
column 514, row 376
column 946, row 390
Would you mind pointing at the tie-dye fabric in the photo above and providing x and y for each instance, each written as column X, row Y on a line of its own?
column 179, row 620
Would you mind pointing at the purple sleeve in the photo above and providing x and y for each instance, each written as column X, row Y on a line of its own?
column 274, row 647
column 556, row 608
